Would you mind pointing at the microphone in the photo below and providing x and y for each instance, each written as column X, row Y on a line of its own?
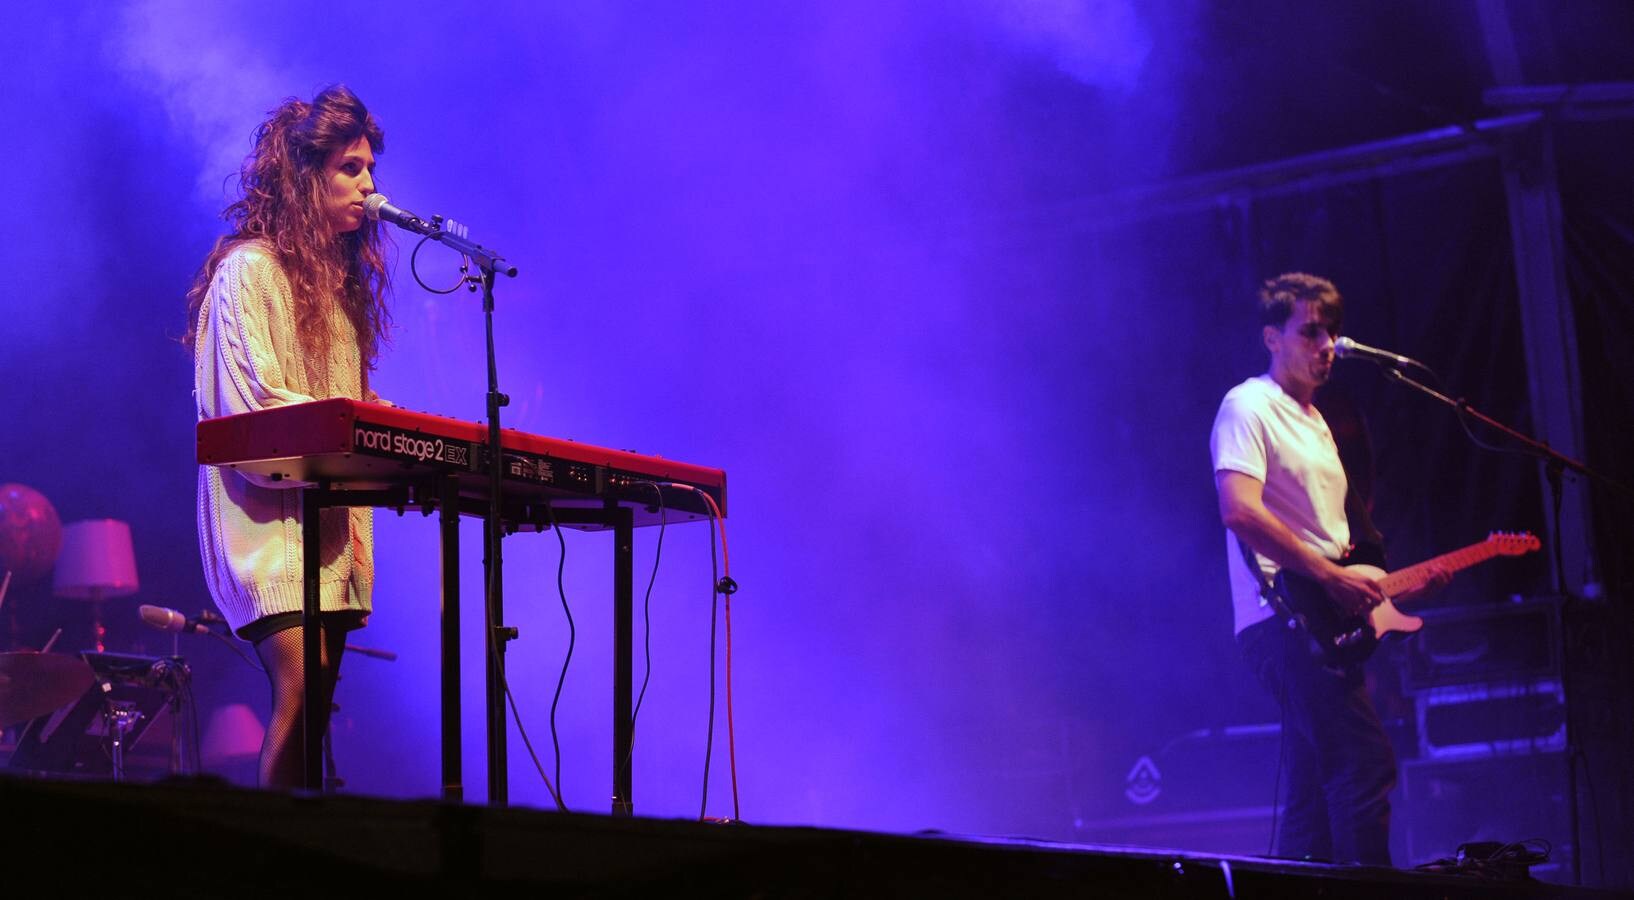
column 378, row 207
column 1345, row 348
column 166, row 619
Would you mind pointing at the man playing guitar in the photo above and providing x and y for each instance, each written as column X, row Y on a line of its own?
column 1282, row 495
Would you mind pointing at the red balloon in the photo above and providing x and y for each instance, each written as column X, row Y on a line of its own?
column 30, row 532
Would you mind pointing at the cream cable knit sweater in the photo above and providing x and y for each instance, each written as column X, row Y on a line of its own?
column 248, row 356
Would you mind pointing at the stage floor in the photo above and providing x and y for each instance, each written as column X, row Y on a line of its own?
column 204, row 839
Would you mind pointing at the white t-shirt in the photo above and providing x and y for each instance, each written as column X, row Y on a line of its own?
column 1262, row 432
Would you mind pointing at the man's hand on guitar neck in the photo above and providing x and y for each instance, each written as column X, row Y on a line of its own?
column 1357, row 591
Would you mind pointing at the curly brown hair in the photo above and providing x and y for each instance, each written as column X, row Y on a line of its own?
column 281, row 186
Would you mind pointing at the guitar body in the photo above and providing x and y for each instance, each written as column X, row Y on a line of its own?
column 1348, row 639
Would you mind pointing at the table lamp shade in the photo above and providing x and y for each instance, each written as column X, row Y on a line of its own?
column 96, row 560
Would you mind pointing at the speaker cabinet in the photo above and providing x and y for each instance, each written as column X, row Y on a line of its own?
column 1504, row 797
column 1482, row 719
column 1488, row 642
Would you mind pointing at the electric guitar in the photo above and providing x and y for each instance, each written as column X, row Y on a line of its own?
column 1346, row 637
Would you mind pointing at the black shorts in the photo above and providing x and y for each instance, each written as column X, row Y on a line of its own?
column 267, row 626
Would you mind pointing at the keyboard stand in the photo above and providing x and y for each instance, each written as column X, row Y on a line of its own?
column 442, row 494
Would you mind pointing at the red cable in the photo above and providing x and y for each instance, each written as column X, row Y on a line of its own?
column 731, row 731
column 726, row 570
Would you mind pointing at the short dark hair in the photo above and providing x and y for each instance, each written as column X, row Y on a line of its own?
column 1278, row 296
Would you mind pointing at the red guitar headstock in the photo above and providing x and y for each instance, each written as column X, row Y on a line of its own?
column 1517, row 544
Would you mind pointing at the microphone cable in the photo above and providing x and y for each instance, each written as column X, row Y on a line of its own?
column 233, row 646
column 465, row 279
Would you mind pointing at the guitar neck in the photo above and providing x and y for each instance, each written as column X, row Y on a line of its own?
column 1403, row 580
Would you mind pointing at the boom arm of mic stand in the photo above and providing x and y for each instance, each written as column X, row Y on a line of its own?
column 486, row 259
column 1553, row 460
column 1528, row 443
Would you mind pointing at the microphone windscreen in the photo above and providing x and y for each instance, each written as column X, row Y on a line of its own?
column 372, row 204
column 161, row 618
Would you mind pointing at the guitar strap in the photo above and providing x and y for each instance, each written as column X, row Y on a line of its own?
column 1272, row 591
column 1269, row 591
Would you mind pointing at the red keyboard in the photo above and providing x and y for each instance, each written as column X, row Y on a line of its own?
column 349, row 444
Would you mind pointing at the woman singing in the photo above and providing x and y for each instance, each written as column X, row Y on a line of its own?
column 289, row 308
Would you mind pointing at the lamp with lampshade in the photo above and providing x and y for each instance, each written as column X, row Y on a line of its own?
column 96, row 563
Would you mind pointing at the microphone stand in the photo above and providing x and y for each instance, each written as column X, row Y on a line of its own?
column 1555, row 464
column 497, row 635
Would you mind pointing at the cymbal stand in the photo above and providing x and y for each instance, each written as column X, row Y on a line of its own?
column 122, row 716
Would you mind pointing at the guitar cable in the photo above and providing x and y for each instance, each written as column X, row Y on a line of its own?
column 1282, row 741
column 1268, row 592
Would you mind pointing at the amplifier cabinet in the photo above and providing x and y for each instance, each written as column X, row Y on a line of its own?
column 1490, row 642
column 1485, row 719
column 1504, row 798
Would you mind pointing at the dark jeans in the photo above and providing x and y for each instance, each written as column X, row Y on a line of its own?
column 1339, row 767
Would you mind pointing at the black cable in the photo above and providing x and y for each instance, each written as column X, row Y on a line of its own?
column 1461, row 412
column 572, row 638
column 646, row 603
column 527, row 742
column 516, row 715
column 714, row 604
column 465, row 268
column 1282, row 746
column 233, row 646
column 522, row 729
column 1269, row 594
